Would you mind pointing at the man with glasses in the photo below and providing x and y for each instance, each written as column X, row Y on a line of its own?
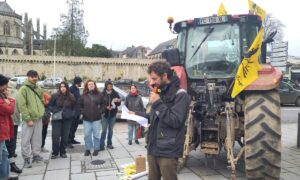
column 31, row 106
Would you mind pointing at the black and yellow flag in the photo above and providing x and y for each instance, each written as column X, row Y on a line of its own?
column 257, row 10
column 222, row 11
column 248, row 69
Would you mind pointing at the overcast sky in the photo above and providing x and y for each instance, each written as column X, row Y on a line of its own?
column 121, row 23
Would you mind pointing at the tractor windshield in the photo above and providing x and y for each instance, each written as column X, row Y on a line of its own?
column 213, row 51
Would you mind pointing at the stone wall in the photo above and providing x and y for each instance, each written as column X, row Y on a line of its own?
column 94, row 68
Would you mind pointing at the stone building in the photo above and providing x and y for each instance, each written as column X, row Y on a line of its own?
column 17, row 37
column 157, row 51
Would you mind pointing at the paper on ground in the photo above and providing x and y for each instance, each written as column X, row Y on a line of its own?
column 139, row 119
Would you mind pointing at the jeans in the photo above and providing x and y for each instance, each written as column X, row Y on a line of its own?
column 107, row 123
column 60, row 134
column 132, row 131
column 92, row 128
column 4, row 163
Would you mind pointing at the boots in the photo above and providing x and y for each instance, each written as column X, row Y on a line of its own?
column 14, row 168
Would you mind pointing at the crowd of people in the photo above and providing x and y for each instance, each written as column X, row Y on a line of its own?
column 33, row 109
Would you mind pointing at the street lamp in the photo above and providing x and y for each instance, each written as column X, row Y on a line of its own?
column 54, row 58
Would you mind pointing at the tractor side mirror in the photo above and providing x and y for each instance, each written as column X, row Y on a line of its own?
column 172, row 56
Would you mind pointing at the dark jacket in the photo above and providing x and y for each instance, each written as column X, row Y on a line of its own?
column 62, row 102
column 135, row 104
column 167, row 121
column 92, row 106
column 6, row 122
column 75, row 91
column 108, row 99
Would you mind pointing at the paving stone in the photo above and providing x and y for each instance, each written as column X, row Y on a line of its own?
column 286, row 164
column 35, row 170
column 295, row 170
column 189, row 176
column 123, row 161
column 214, row 177
column 185, row 170
column 227, row 173
column 289, row 176
column 75, row 163
column 204, row 171
column 61, row 174
column 60, row 163
column 107, row 173
column 111, row 177
column 75, row 169
column 32, row 177
column 85, row 176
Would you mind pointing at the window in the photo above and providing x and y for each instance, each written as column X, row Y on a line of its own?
column 6, row 28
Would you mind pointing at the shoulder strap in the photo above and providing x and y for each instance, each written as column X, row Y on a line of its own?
column 34, row 92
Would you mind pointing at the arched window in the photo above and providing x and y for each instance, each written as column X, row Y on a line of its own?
column 1, row 52
column 6, row 28
column 15, row 52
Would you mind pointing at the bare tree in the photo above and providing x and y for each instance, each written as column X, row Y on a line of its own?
column 272, row 24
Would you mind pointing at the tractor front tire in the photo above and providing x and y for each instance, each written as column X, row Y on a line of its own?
column 262, row 135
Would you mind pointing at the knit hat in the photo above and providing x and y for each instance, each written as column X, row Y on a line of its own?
column 3, row 80
column 77, row 80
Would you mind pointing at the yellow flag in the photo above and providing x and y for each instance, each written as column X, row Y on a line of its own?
column 248, row 69
column 258, row 10
column 222, row 11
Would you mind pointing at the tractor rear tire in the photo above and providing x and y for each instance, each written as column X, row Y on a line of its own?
column 262, row 135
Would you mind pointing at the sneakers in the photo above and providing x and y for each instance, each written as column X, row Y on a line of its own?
column 27, row 163
column 137, row 142
column 13, row 178
column 87, row 153
column 130, row 142
column 15, row 168
column 75, row 142
column 43, row 150
column 64, row 155
column 95, row 153
column 54, row 156
column 110, row 146
column 37, row 159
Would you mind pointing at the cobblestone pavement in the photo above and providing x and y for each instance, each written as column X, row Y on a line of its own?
column 78, row 167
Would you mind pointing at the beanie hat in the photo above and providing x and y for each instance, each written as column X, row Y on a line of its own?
column 77, row 80
column 3, row 80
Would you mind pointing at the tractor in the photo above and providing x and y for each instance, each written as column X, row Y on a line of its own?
column 208, row 53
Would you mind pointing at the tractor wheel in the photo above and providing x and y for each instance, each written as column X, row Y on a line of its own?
column 262, row 135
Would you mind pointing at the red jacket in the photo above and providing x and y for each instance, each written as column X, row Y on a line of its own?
column 6, row 122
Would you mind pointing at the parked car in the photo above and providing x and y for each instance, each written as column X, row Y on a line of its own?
column 17, row 81
column 52, row 82
column 122, row 95
column 289, row 94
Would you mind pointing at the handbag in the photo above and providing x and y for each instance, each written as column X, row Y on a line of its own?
column 57, row 116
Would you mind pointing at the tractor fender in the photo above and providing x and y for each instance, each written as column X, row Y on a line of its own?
column 268, row 78
column 180, row 71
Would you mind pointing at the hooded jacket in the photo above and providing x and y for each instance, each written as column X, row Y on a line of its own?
column 30, row 105
column 167, row 121
column 108, row 99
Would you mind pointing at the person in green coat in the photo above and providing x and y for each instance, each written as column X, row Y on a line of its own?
column 31, row 106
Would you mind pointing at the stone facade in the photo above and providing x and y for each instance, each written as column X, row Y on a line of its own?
column 93, row 68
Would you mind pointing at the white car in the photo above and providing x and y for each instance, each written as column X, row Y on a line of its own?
column 122, row 95
column 17, row 81
column 52, row 82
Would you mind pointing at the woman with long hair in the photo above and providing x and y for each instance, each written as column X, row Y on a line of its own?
column 62, row 101
column 134, row 103
column 91, row 105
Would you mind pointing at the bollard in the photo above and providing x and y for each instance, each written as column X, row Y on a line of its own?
column 298, row 135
